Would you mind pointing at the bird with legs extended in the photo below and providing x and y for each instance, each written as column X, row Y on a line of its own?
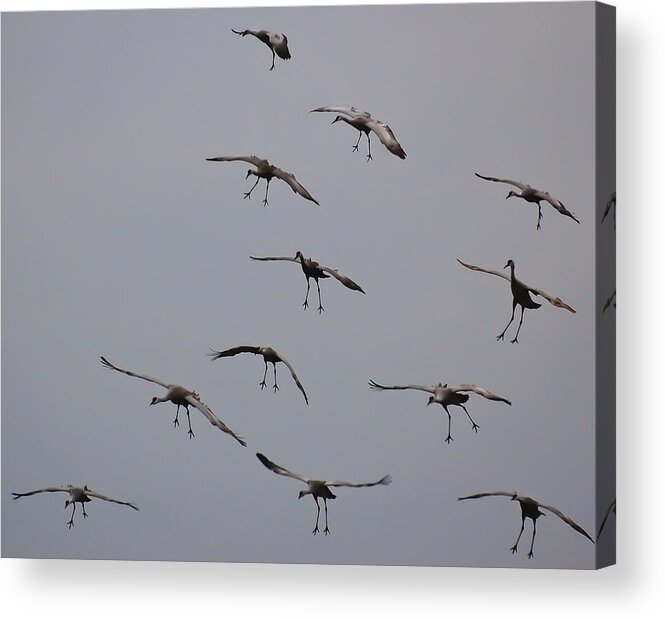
column 267, row 171
column 180, row 396
column 315, row 271
column 521, row 295
column 531, row 509
column 270, row 355
column 318, row 488
column 76, row 495
column 276, row 41
column 447, row 396
column 364, row 123
column 530, row 194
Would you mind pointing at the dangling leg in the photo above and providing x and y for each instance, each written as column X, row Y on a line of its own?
column 175, row 421
column 512, row 317
column 318, row 511
column 319, row 289
column 533, row 538
column 514, row 548
column 265, row 200
column 369, row 148
column 325, row 504
column 514, row 340
column 273, row 59
column 263, row 382
column 305, row 304
column 540, row 216
column 83, row 507
column 189, row 423
column 450, row 438
column 275, row 388
column 248, row 194
column 360, row 135
column 71, row 522
column 473, row 423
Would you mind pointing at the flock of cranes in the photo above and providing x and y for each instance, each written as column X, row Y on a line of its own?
column 440, row 393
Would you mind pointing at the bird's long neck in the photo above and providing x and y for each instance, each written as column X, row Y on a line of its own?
column 512, row 272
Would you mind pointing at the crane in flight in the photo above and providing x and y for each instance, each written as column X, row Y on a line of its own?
column 276, row 41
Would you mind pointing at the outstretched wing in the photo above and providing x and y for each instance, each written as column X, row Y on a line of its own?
column 231, row 352
column 18, row 495
column 374, row 385
column 387, row 137
column 486, row 393
column 556, row 301
column 110, row 499
column 280, row 44
column 213, row 419
column 483, row 494
column 280, row 470
column 107, row 364
column 522, row 186
column 286, row 258
column 344, row 279
column 611, row 508
column 475, row 268
column 293, row 375
column 253, row 159
column 567, row 520
column 349, row 111
column 557, row 204
column 292, row 182
column 384, row 481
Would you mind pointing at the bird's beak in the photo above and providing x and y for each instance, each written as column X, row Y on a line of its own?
column 505, row 266
column 334, row 121
column 248, row 173
column 508, row 196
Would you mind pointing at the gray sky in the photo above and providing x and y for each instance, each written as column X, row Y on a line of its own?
column 119, row 239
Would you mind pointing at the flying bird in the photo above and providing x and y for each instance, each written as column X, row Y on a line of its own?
column 521, row 295
column 318, row 488
column 447, row 396
column 180, row 396
column 270, row 355
column 365, row 123
column 612, row 509
column 76, row 495
column 277, row 42
column 316, row 271
column 531, row 509
column 530, row 194
column 267, row 171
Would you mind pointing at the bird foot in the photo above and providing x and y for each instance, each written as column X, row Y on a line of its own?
column 176, row 422
column 275, row 388
column 475, row 427
column 85, row 515
column 326, row 531
column 247, row 195
column 191, row 434
column 355, row 148
column 305, row 305
column 315, row 531
column 369, row 158
column 321, row 309
column 450, row 438
column 499, row 337
column 262, row 385
column 514, row 549
column 265, row 203
column 514, row 341
column 530, row 555
column 71, row 523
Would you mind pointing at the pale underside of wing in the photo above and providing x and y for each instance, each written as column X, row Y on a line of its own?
column 213, row 419
column 555, row 301
column 107, row 364
column 344, row 279
column 384, row 481
column 252, row 159
column 218, row 354
column 110, row 499
column 567, row 520
column 293, row 182
column 484, row 494
column 387, row 137
column 374, row 385
column 280, row 470
column 293, row 375
column 349, row 111
column 486, row 393
column 518, row 184
column 18, row 495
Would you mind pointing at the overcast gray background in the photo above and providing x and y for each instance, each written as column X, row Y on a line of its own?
column 119, row 239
